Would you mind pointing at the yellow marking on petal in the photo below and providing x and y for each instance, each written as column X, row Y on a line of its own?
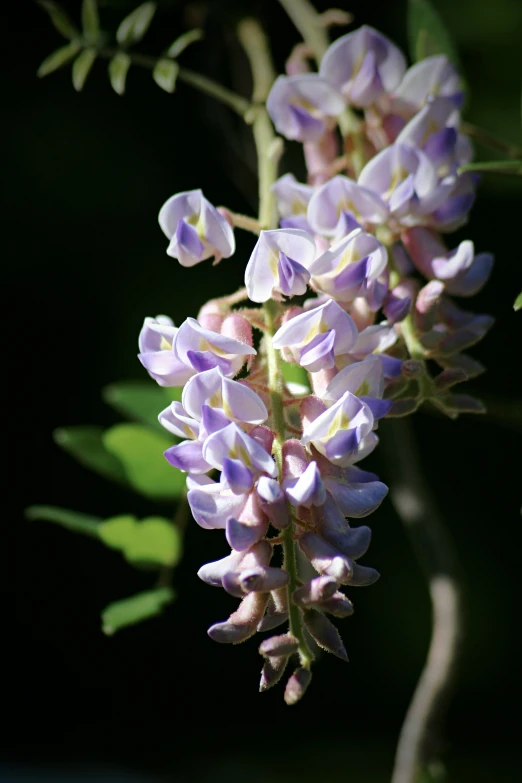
column 349, row 256
column 165, row 345
column 215, row 399
column 346, row 205
column 227, row 410
column 319, row 328
column 399, row 174
column 298, row 207
column 340, row 422
column 363, row 390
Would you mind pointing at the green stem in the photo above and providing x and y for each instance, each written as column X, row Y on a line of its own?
column 202, row 83
column 510, row 167
column 255, row 45
column 308, row 22
column 276, row 391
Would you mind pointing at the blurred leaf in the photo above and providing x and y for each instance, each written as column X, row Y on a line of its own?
column 85, row 443
column 427, row 33
column 140, row 451
column 140, row 400
column 165, row 73
column 135, row 609
column 118, row 67
column 181, row 43
column 81, row 67
column 58, row 58
column 60, row 19
column 153, row 540
column 72, row 520
column 136, row 24
column 512, row 167
column 296, row 378
column 90, row 20
column 518, row 302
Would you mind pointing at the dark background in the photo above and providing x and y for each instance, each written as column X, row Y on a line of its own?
column 86, row 262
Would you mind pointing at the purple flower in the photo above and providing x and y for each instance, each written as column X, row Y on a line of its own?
column 211, row 388
column 340, row 205
column 363, row 65
column 292, row 202
column 407, row 181
column 239, row 456
column 344, row 270
column 195, row 229
column 279, row 264
column 302, row 106
column 343, row 432
column 365, row 380
column 202, row 349
column 318, row 336
column 430, row 77
column 356, row 492
column 157, row 355
column 462, row 272
column 434, row 130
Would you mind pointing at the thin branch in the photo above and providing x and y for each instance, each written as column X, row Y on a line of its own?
column 420, row 738
column 310, row 25
column 487, row 139
column 197, row 80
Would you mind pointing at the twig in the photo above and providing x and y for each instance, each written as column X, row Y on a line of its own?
column 489, row 140
column 420, row 737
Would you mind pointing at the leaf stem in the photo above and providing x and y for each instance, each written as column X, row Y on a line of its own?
column 487, row 139
column 255, row 45
column 197, row 80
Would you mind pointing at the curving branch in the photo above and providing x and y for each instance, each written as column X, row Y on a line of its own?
column 421, row 733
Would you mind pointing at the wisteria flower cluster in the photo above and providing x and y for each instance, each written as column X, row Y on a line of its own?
column 357, row 286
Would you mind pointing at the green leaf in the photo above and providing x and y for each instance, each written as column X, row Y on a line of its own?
column 133, row 610
column 140, row 451
column 181, row 43
column 297, row 377
column 118, row 67
column 81, row 67
column 59, row 58
column 136, row 24
column 90, row 20
column 72, row 520
column 85, row 443
column 513, row 167
column 140, row 400
column 427, row 33
column 165, row 73
column 518, row 302
column 60, row 19
column 153, row 540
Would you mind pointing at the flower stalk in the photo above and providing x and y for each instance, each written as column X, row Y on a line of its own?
column 256, row 47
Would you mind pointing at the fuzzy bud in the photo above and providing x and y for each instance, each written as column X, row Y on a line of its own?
column 297, row 685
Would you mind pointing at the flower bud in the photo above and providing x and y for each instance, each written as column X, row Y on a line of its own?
column 297, row 685
column 276, row 646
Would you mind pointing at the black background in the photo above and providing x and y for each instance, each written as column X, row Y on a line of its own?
column 85, row 263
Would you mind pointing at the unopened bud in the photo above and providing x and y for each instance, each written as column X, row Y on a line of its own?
column 297, row 685
column 315, row 591
column 286, row 644
column 237, row 327
column 338, row 605
column 272, row 672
